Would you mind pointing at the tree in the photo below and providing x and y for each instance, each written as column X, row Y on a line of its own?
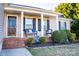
column 75, row 28
column 70, row 10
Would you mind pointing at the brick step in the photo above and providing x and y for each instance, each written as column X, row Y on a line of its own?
column 9, row 43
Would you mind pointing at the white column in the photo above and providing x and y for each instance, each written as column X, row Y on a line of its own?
column 42, row 25
column 22, row 24
column 36, row 24
column 57, row 21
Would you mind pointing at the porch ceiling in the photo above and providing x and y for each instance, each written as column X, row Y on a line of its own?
column 35, row 14
column 12, row 11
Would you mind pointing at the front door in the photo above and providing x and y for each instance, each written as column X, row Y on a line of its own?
column 11, row 26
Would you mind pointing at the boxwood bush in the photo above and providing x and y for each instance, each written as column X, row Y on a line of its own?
column 30, row 41
column 42, row 40
column 71, row 36
column 63, row 36
column 60, row 36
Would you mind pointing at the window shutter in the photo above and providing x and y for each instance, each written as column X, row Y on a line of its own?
column 65, row 24
column 34, row 24
column 48, row 26
column 39, row 24
column 24, row 23
column 59, row 25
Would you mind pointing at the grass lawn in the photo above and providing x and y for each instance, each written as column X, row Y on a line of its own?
column 58, row 50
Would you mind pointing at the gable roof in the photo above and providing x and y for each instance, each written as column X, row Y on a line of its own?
column 28, row 7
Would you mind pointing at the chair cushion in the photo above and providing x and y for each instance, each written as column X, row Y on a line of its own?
column 30, row 31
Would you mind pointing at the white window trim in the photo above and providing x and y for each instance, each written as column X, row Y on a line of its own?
column 63, row 21
column 16, row 25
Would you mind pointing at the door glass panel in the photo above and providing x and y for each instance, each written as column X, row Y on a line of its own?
column 11, row 26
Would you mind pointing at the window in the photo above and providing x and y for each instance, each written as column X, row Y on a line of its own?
column 45, row 24
column 28, row 23
column 62, row 25
column 11, row 26
column 34, row 24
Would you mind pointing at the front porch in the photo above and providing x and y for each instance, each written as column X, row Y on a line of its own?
column 18, row 22
column 19, row 18
column 22, row 23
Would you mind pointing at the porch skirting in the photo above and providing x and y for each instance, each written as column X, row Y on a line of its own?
column 10, row 43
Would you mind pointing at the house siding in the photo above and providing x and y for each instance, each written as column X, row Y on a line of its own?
column 53, row 23
column 67, row 22
column 1, row 24
column 68, row 25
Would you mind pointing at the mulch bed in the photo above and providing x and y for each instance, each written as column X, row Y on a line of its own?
column 40, row 45
column 49, row 44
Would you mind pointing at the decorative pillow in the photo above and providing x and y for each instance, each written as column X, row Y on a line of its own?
column 30, row 31
column 49, row 30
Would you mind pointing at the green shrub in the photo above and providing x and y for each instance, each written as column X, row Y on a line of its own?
column 63, row 36
column 30, row 40
column 71, row 36
column 42, row 40
column 60, row 36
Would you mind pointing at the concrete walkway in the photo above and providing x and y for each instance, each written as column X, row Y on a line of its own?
column 15, row 52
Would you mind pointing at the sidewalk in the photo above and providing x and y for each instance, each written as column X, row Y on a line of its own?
column 15, row 52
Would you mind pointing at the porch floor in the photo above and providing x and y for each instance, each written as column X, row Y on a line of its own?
column 15, row 52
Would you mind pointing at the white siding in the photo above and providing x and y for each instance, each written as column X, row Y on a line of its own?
column 1, row 25
column 68, row 25
column 53, row 23
column 67, row 22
